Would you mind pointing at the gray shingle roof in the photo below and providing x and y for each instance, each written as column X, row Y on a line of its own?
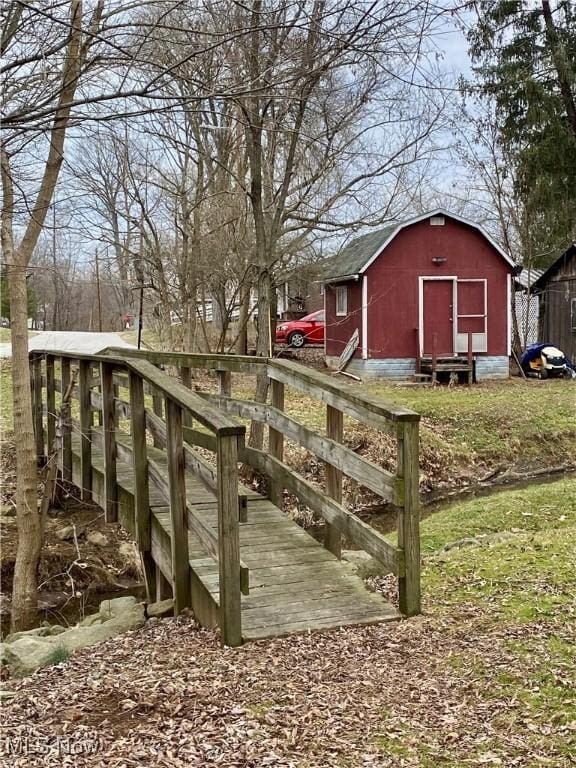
column 351, row 259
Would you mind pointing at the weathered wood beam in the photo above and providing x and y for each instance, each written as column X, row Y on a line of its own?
column 38, row 409
column 142, row 509
column 65, row 374
column 109, row 431
column 387, row 485
column 409, row 521
column 195, row 522
column 177, row 490
column 372, row 411
column 335, row 431
column 229, row 540
column 276, row 441
column 209, row 362
column 186, row 379
column 50, row 401
column 209, row 416
column 85, row 430
column 359, row 532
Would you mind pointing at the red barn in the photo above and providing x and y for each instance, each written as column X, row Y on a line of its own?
column 421, row 289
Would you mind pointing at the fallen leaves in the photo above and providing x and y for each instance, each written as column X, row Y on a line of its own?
column 414, row 694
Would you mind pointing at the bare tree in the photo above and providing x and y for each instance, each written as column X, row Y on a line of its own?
column 59, row 86
column 322, row 102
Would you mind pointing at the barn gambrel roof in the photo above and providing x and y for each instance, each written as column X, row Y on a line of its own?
column 357, row 256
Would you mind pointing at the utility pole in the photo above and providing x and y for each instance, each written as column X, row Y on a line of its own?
column 140, row 314
column 98, row 293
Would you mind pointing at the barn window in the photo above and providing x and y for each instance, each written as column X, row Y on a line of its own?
column 341, row 301
column 437, row 221
column 573, row 307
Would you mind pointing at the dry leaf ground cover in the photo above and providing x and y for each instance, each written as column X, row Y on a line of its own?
column 485, row 677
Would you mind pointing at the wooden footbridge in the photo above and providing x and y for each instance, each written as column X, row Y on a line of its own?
column 163, row 459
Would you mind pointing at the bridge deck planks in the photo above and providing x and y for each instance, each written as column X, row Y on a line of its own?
column 295, row 583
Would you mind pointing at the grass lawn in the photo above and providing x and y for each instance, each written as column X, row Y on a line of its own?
column 466, row 432
column 510, row 594
column 503, row 419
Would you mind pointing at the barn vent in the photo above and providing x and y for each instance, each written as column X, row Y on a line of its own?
column 437, row 221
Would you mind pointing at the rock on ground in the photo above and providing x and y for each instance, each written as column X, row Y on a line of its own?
column 161, row 609
column 23, row 652
column 67, row 533
column 363, row 564
column 97, row 538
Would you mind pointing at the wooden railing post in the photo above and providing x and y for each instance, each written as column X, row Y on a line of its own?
column 38, row 409
column 229, row 540
column 66, row 426
column 143, row 514
column 186, row 379
column 50, row 403
column 109, row 442
column 335, row 431
column 178, row 514
column 85, row 430
column 164, row 589
column 157, row 404
column 94, row 375
column 409, row 518
column 225, row 381
column 276, row 442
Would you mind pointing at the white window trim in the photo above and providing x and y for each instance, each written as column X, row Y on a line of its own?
column 509, row 324
column 325, row 323
column 341, row 290
column 365, row 317
column 479, row 340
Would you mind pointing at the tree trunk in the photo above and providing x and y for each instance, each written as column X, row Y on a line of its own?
column 29, row 520
column 242, row 338
column 263, row 342
column 30, row 523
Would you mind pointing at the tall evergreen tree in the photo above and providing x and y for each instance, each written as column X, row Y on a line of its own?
column 524, row 57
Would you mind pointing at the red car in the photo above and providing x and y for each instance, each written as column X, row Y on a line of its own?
column 307, row 330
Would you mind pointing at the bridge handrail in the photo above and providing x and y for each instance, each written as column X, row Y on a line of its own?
column 177, row 402
column 368, row 409
column 402, row 487
column 209, row 416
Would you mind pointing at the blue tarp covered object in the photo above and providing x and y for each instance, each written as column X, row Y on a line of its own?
column 533, row 351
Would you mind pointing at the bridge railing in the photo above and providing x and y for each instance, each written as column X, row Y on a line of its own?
column 99, row 378
column 400, row 487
